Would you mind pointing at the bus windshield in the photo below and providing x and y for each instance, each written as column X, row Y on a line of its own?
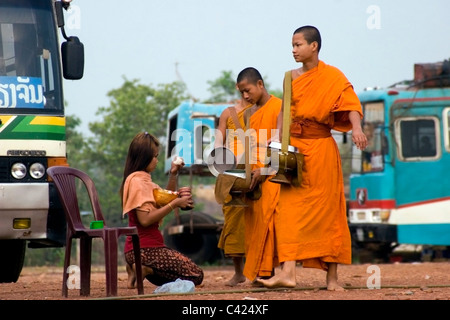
column 29, row 58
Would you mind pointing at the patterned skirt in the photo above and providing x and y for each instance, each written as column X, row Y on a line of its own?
column 168, row 265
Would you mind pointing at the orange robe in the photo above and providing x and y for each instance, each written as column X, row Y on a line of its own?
column 232, row 237
column 312, row 225
column 259, row 216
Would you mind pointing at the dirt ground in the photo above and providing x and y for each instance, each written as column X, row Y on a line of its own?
column 392, row 281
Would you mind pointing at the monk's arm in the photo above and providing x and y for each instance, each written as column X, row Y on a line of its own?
column 222, row 129
column 358, row 136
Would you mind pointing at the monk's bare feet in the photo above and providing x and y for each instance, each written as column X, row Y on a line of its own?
column 332, row 278
column 334, row 287
column 278, row 281
column 131, row 282
column 235, row 280
column 257, row 284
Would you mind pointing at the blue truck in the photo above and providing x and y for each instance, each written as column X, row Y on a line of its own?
column 399, row 185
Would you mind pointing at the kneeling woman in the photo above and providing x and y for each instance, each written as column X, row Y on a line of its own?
column 160, row 264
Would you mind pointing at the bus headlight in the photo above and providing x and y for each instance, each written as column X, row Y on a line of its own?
column 37, row 170
column 18, row 170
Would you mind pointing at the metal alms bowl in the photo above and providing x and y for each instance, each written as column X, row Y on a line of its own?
column 285, row 163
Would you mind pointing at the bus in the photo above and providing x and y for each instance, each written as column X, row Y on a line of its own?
column 399, row 185
column 33, row 63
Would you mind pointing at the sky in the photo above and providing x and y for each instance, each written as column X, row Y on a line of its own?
column 374, row 42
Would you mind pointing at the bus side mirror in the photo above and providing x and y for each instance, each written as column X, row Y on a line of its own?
column 72, row 54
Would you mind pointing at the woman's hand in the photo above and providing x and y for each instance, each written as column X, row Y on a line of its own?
column 183, row 202
column 177, row 164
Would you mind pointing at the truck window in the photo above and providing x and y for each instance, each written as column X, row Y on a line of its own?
column 202, row 139
column 372, row 156
column 371, row 159
column 418, row 138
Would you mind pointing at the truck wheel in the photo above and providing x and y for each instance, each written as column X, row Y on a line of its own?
column 13, row 252
column 200, row 245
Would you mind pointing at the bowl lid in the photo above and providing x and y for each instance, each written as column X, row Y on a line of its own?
column 236, row 172
column 277, row 145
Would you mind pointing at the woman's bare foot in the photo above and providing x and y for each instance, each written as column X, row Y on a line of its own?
column 235, row 280
column 146, row 271
column 131, row 282
column 131, row 271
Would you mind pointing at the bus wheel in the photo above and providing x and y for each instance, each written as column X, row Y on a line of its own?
column 13, row 252
column 201, row 244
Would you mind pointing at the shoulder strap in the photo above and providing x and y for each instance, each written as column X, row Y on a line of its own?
column 247, row 115
column 286, row 110
column 235, row 117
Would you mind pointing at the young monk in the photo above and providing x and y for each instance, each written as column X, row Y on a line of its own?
column 231, row 239
column 311, row 223
column 260, row 259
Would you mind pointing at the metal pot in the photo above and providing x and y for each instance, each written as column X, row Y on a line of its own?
column 286, row 164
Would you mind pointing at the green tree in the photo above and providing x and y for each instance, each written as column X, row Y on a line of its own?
column 223, row 89
column 133, row 108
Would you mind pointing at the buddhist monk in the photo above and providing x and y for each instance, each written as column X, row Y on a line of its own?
column 311, row 223
column 260, row 259
column 232, row 240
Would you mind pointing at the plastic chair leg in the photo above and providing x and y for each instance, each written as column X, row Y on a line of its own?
column 137, row 261
column 85, row 265
column 111, row 248
column 66, row 266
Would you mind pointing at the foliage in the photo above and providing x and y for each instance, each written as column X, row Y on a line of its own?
column 134, row 108
column 223, row 89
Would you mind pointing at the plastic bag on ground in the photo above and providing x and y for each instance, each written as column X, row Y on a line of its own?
column 177, row 286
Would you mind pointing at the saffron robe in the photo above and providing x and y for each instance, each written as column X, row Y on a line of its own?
column 260, row 250
column 311, row 223
column 232, row 237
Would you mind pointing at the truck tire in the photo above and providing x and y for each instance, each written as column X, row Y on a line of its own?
column 201, row 245
column 13, row 252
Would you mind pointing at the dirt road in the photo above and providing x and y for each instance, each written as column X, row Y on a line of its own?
column 395, row 281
